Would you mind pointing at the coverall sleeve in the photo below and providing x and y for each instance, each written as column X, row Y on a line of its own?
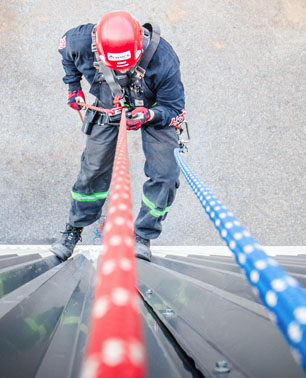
column 170, row 100
column 73, row 75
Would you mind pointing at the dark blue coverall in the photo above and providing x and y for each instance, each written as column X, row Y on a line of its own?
column 158, row 139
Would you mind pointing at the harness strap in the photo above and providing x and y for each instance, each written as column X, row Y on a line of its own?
column 150, row 46
column 149, row 52
column 109, row 74
column 146, row 38
column 111, row 80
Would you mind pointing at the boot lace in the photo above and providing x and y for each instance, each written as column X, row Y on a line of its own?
column 72, row 235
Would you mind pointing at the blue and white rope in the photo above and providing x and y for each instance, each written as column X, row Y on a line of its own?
column 280, row 293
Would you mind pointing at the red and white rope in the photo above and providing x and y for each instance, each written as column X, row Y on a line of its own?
column 116, row 348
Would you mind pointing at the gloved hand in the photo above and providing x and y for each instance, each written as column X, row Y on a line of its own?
column 140, row 116
column 72, row 98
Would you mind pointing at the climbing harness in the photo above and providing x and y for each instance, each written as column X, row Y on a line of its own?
column 128, row 90
column 111, row 116
column 130, row 87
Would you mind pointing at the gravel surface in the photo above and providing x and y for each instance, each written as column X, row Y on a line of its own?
column 243, row 65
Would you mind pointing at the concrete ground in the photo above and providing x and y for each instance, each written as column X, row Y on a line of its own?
column 243, row 65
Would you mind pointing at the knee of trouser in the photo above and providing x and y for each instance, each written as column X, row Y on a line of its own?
column 170, row 178
column 159, row 194
column 97, row 160
column 165, row 170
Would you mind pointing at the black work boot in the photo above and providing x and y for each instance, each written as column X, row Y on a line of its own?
column 143, row 248
column 64, row 247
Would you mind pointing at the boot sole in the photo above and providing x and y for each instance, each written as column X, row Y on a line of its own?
column 59, row 253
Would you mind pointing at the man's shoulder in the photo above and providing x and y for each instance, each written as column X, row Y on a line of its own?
column 165, row 57
column 81, row 32
column 79, row 38
column 164, row 44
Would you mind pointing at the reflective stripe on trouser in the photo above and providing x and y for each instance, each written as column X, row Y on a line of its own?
column 91, row 187
column 159, row 191
column 154, row 212
column 89, row 197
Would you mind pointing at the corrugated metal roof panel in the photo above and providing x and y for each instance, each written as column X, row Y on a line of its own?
column 198, row 311
column 210, row 309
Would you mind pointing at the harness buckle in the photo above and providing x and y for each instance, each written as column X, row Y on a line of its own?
column 140, row 72
column 94, row 47
column 107, row 118
column 97, row 66
column 93, row 41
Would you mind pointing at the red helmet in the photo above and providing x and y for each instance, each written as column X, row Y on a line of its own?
column 119, row 40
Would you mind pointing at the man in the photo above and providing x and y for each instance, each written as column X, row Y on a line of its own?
column 119, row 57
